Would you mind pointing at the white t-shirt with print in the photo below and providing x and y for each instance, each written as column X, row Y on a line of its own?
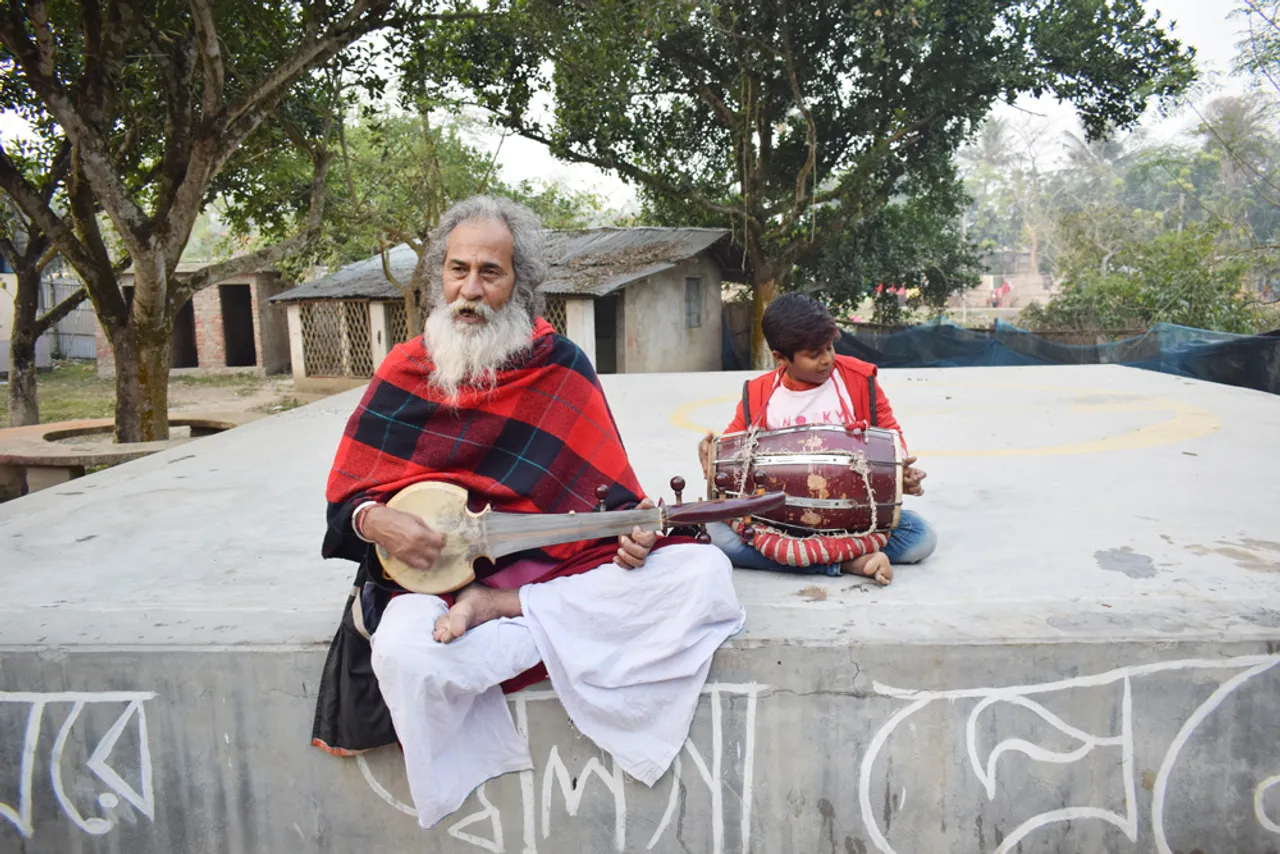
column 820, row 405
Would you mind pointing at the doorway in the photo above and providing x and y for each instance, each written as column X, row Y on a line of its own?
column 237, row 326
column 606, row 311
column 185, row 353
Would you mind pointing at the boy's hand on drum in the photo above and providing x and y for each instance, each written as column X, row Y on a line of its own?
column 912, row 477
column 704, row 453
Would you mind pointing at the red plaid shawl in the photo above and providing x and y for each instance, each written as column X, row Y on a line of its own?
column 542, row 441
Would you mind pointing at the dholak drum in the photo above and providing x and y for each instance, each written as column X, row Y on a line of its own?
column 837, row 480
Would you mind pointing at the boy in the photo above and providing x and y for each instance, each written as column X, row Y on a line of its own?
column 812, row 385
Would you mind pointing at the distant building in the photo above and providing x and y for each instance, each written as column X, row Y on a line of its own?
column 229, row 324
column 53, row 288
column 635, row 300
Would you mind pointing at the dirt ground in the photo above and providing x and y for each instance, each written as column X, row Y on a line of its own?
column 260, row 394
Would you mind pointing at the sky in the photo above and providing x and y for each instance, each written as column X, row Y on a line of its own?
column 1203, row 24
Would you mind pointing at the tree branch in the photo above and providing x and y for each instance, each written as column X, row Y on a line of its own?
column 311, row 52
column 1239, row 159
column 811, row 126
column 210, row 57
column 58, row 169
column 92, row 155
column 60, row 311
column 265, row 257
column 383, row 253
column 38, row 14
column 177, row 63
column 10, row 253
column 650, row 179
column 50, row 253
column 37, row 211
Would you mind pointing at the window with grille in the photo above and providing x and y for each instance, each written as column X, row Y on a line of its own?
column 557, row 315
column 335, row 339
column 397, row 323
column 692, row 302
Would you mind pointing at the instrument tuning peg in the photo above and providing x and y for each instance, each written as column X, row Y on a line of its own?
column 677, row 486
column 722, row 481
column 602, row 493
column 748, row 533
column 703, row 537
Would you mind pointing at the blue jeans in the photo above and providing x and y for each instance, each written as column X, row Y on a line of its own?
column 911, row 542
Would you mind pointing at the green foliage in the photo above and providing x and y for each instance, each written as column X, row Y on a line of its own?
column 752, row 115
column 395, row 174
column 1175, row 277
column 913, row 243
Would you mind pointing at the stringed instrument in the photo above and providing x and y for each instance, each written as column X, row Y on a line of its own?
column 470, row 536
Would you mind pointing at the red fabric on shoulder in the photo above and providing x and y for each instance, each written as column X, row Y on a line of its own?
column 541, row 441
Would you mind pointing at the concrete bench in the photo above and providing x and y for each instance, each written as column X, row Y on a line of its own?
column 36, row 457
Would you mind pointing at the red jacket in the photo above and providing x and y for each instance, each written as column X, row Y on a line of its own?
column 859, row 378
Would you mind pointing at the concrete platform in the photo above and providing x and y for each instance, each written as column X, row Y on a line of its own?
column 1088, row 663
column 36, row 456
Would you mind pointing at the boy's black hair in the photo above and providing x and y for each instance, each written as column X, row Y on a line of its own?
column 796, row 322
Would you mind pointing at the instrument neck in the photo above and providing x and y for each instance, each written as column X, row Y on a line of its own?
column 508, row 533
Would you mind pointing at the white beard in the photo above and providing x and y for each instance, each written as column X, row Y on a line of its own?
column 469, row 354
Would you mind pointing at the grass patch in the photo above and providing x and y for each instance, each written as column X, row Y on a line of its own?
column 72, row 390
column 284, row 404
column 242, row 381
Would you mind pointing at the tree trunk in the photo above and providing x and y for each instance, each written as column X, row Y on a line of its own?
column 143, row 357
column 24, row 405
column 764, row 289
column 415, row 296
column 1035, row 250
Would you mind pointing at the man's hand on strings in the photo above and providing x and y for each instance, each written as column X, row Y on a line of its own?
column 634, row 549
column 912, row 477
column 403, row 535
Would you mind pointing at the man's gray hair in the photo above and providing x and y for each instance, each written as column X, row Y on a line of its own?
column 528, row 254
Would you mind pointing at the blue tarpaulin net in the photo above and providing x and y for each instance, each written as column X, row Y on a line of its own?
column 1250, row 361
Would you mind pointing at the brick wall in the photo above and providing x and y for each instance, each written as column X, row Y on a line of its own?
column 208, row 312
column 210, row 338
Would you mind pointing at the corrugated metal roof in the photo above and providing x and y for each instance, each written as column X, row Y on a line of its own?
column 592, row 262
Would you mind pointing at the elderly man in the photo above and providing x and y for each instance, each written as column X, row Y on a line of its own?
column 491, row 399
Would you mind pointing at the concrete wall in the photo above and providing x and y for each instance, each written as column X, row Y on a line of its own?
column 272, row 332
column 652, row 332
column 1056, row 748
column 1100, row 674
column 8, row 290
column 580, row 325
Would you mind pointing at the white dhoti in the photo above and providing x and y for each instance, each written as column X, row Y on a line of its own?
column 628, row 652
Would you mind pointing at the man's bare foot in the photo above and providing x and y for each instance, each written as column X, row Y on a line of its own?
column 473, row 605
column 874, row 566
